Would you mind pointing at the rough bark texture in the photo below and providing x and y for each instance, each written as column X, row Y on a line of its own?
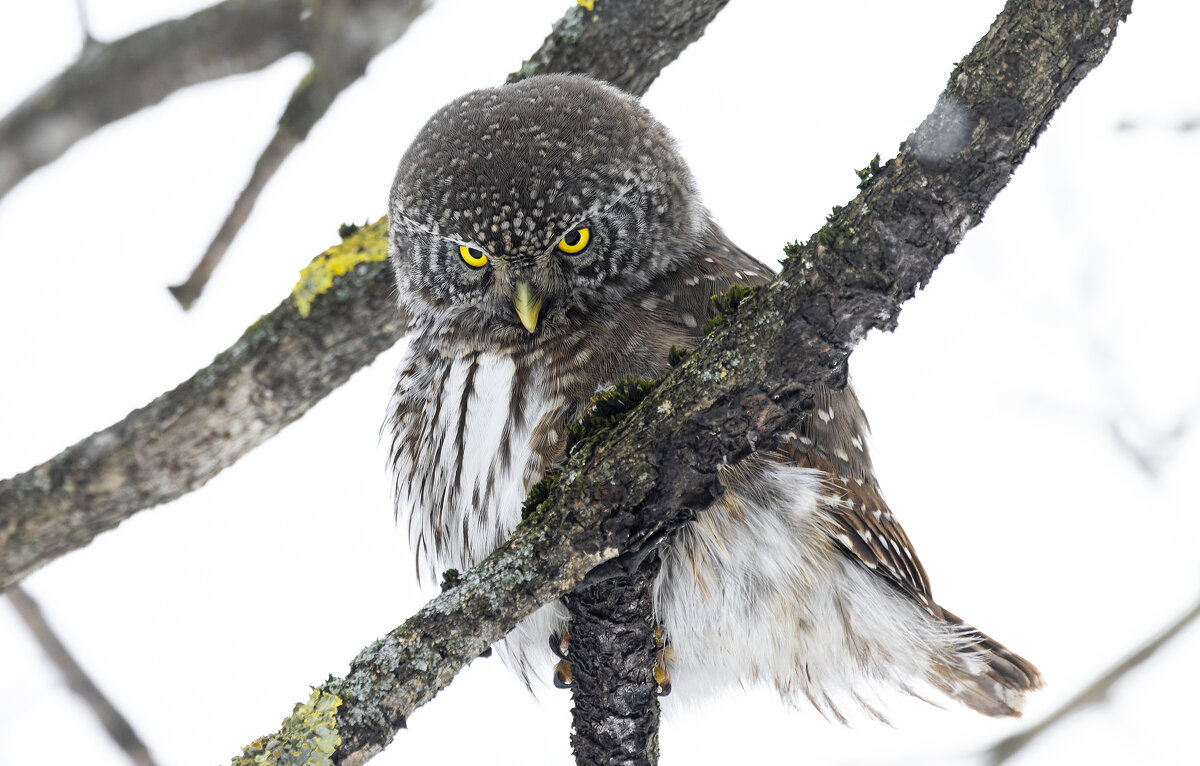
column 281, row 366
column 603, row 41
column 612, row 655
column 749, row 383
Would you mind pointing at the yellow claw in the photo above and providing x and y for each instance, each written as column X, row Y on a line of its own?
column 527, row 306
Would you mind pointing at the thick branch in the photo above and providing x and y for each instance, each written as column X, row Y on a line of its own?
column 746, row 387
column 626, row 43
column 282, row 366
column 612, row 654
column 279, row 368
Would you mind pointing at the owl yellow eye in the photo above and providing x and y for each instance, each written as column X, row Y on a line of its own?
column 473, row 257
column 575, row 241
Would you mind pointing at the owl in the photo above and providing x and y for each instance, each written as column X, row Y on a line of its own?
column 548, row 240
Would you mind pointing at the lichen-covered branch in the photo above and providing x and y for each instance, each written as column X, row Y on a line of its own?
column 747, row 387
column 283, row 365
column 348, row 38
column 286, row 362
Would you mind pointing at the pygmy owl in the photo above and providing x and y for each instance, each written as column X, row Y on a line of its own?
column 548, row 240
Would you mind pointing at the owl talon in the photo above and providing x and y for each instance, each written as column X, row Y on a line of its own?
column 560, row 645
column 662, row 674
column 562, row 675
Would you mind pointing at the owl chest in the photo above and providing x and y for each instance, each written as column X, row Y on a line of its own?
column 471, row 435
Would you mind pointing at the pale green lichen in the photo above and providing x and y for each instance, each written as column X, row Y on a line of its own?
column 364, row 245
column 307, row 737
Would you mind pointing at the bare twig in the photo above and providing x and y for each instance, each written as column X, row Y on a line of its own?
column 1151, row 454
column 745, row 388
column 1094, row 693
column 117, row 726
column 84, row 25
column 346, row 44
column 283, row 365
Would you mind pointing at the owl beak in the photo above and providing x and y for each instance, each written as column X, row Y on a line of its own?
column 527, row 306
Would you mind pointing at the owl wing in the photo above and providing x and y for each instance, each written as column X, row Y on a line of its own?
column 714, row 265
column 833, row 439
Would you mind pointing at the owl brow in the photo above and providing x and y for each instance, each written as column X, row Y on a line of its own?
column 412, row 223
column 595, row 209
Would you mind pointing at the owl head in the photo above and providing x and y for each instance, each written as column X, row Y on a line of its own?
column 520, row 212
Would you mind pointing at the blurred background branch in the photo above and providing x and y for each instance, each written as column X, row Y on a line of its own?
column 113, row 80
column 77, row 679
column 1094, row 693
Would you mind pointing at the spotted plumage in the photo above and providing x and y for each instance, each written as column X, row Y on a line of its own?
column 548, row 240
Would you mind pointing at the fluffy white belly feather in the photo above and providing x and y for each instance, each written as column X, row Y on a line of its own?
column 463, row 480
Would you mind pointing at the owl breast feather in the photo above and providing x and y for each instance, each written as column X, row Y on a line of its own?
column 470, row 435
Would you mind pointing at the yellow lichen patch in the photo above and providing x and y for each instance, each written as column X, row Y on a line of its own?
column 588, row 4
column 367, row 244
column 308, row 736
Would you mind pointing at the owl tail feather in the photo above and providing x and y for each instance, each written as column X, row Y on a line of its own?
column 987, row 677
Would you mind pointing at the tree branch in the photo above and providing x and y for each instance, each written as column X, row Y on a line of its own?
column 113, row 80
column 748, row 385
column 279, row 368
column 1094, row 693
column 612, row 654
column 346, row 43
column 118, row 727
column 283, row 364
column 626, row 43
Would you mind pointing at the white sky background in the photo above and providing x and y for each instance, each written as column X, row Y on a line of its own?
column 1068, row 310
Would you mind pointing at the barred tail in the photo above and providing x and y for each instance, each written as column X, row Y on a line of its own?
column 990, row 678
